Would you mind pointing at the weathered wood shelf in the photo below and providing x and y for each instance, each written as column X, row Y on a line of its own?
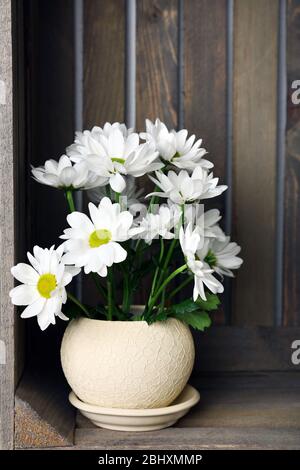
column 236, row 411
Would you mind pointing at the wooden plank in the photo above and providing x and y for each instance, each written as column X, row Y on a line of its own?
column 226, row 438
column 43, row 415
column 104, row 39
column 50, row 128
column 205, row 84
column 232, row 348
column 156, row 77
column 104, row 78
column 157, row 36
column 7, row 220
column 240, row 400
column 254, row 157
column 292, row 177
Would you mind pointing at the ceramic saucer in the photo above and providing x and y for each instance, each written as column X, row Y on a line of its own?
column 138, row 420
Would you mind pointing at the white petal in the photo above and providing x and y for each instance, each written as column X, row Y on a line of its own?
column 25, row 273
column 34, row 309
column 117, row 183
column 24, row 295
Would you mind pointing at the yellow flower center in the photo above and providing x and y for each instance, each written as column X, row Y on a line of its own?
column 46, row 284
column 99, row 237
column 118, row 160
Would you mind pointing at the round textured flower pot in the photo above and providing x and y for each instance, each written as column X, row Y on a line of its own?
column 127, row 364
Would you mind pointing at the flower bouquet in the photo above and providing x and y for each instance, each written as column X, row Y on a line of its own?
column 115, row 354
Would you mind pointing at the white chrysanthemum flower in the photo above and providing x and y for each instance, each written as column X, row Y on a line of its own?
column 190, row 242
column 114, row 155
column 159, row 224
column 183, row 188
column 130, row 196
column 43, row 285
column 93, row 243
column 64, row 175
column 175, row 147
column 221, row 255
column 85, row 142
column 206, row 222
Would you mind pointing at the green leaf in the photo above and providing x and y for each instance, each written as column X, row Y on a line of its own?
column 211, row 303
column 183, row 307
column 197, row 319
column 162, row 316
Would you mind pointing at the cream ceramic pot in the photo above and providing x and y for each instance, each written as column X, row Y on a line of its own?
column 127, row 364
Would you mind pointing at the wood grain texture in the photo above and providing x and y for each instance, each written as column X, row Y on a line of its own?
column 156, row 81
column 254, row 157
column 230, row 348
column 43, row 415
column 205, row 84
column 104, row 78
column 242, row 400
column 292, row 177
column 7, row 234
column 225, row 438
column 104, row 39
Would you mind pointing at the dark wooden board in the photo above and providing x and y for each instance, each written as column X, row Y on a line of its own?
column 156, row 78
column 104, row 39
column 254, row 157
column 157, row 35
column 205, row 85
column 49, row 62
column 229, row 348
column 206, row 438
column 292, row 176
column 104, row 78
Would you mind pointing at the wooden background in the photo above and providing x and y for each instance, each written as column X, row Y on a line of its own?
column 224, row 70
column 217, row 68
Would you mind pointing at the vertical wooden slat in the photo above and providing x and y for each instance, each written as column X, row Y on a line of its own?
column 104, row 38
column 7, row 220
column 104, row 77
column 156, row 90
column 292, row 164
column 156, row 77
column 254, row 157
column 205, row 85
column 50, row 128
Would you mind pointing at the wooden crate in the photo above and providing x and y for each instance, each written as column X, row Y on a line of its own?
column 224, row 70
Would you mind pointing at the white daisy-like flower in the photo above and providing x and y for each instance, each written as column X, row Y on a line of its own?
column 43, row 285
column 221, row 255
column 174, row 147
column 85, row 143
column 94, row 243
column 64, row 175
column 113, row 155
column 183, row 188
column 206, row 222
column 159, row 224
column 190, row 242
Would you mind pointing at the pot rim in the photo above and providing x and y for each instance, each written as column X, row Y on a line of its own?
column 136, row 309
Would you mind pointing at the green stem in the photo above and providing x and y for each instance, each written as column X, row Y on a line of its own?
column 98, row 285
column 117, row 197
column 78, row 303
column 70, row 200
column 181, row 286
column 109, row 300
column 161, row 254
column 165, row 283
